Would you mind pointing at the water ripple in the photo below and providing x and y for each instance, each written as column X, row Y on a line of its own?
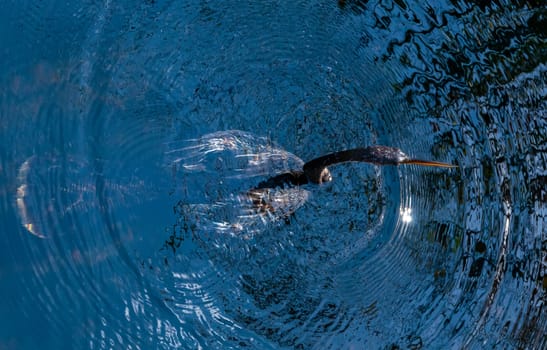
column 128, row 215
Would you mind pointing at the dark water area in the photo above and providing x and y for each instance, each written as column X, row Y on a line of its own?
column 131, row 134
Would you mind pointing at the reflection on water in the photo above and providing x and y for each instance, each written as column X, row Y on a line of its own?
column 214, row 178
column 127, row 218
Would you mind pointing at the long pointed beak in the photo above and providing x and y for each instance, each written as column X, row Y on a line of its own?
column 429, row 163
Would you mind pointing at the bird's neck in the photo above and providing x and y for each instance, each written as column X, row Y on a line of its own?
column 314, row 168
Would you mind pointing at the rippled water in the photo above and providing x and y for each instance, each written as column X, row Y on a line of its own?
column 131, row 134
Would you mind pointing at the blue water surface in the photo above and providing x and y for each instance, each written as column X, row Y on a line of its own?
column 131, row 135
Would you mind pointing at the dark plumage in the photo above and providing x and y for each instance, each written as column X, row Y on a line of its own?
column 316, row 170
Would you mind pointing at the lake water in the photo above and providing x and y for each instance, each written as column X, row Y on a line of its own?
column 132, row 132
